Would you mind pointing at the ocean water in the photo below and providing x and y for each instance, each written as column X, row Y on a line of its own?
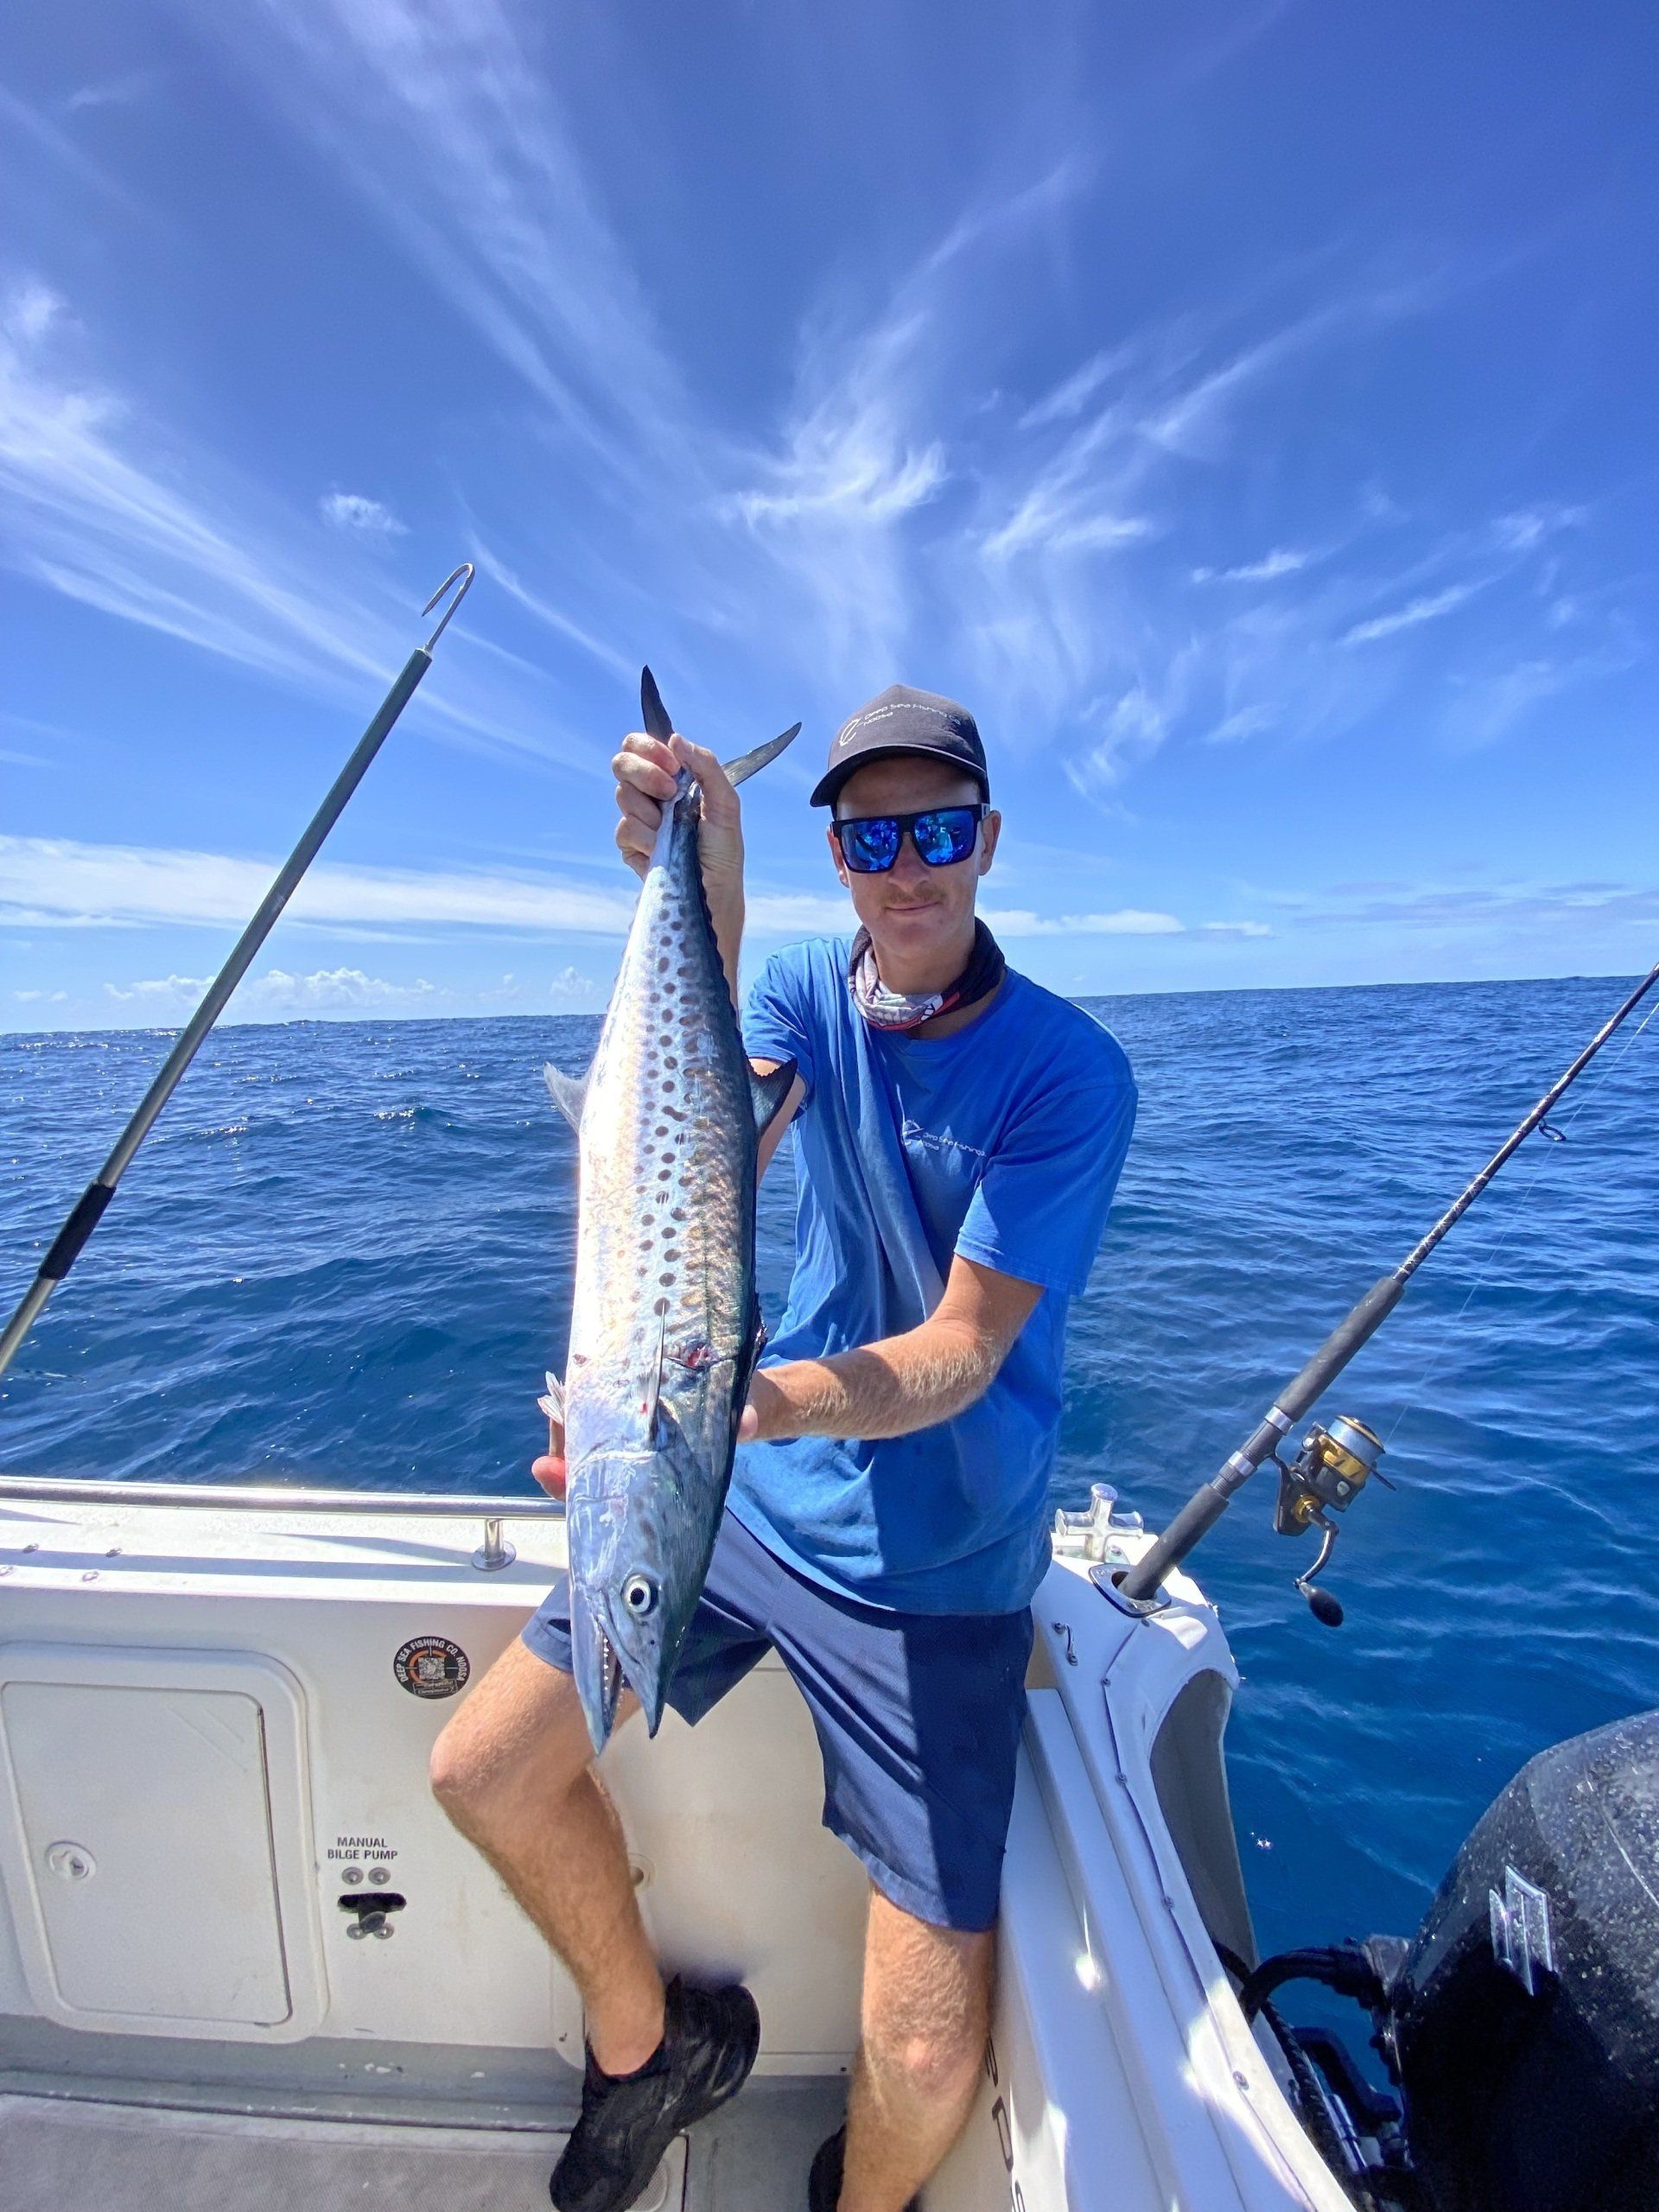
column 344, row 1257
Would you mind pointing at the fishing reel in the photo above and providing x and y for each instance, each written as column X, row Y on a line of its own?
column 1326, row 1477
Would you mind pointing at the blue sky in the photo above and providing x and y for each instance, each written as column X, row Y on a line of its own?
column 1247, row 410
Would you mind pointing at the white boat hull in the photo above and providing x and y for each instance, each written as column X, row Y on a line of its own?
column 206, row 1709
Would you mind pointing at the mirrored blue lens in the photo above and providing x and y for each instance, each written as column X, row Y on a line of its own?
column 870, row 846
column 945, row 835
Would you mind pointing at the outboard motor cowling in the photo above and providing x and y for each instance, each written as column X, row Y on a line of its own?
column 1524, row 2020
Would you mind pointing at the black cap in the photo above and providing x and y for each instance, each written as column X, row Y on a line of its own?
column 899, row 720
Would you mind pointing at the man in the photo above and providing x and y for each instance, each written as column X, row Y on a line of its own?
column 960, row 1133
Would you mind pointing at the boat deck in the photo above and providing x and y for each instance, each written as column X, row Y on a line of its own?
column 60, row 2152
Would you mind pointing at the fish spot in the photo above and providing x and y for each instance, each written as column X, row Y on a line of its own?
column 662, row 1174
column 662, row 1130
column 661, row 1306
column 667, row 1282
column 678, row 1213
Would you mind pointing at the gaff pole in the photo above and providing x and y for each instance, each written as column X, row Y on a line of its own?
column 1206, row 1505
column 88, row 1209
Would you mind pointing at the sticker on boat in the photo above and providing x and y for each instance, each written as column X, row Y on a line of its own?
column 430, row 1666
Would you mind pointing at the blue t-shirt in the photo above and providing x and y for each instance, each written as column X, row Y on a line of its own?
column 1002, row 1142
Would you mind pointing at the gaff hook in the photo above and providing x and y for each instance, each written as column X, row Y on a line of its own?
column 464, row 572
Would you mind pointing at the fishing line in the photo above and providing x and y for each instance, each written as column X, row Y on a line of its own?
column 1557, row 1134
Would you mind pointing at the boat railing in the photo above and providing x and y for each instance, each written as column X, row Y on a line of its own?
column 279, row 1497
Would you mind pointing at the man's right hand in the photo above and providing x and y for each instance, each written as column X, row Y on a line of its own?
column 645, row 771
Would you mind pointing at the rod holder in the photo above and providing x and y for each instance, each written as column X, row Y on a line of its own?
column 494, row 1551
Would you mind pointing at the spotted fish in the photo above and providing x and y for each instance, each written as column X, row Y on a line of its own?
column 665, row 1328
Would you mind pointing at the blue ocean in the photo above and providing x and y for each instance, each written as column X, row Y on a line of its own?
column 344, row 1257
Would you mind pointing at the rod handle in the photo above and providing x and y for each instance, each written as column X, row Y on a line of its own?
column 88, row 1212
column 1206, row 1506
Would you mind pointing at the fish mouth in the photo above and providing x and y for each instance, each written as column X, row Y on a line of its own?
column 597, row 1666
column 611, row 1678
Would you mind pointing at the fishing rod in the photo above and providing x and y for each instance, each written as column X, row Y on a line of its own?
column 88, row 1209
column 1334, row 1463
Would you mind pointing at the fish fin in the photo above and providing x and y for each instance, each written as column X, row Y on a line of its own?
column 750, row 763
column 657, row 724
column 553, row 1404
column 768, row 1094
column 653, row 1414
column 754, row 1343
column 569, row 1092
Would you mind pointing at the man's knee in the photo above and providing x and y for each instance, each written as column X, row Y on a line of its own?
column 514, row 1736
column 927, row 2006
column 459, row 1770
column 935, row 2067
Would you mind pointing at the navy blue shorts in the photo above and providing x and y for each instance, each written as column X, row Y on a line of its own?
column 918, row 1716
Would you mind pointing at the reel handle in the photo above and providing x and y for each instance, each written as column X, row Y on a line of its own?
column 1325, row 1608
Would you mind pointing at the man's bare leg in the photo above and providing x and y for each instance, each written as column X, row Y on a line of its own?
column 926, row 2014
column 513, row 1771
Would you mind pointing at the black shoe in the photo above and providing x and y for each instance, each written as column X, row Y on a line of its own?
column 823, row 2183
column 709, row 2040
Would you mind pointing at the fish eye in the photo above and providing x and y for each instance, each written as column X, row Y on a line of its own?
column 638, row 1595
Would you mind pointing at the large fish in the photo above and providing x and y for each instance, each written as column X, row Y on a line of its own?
column 665, row 1328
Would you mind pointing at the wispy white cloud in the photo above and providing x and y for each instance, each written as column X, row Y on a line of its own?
column 355, row 511
column 279, row 995
column 1072, row 394
column 1055, row 527
column 113, row 91
column 101, row 505
column 779, row 913
column 31, row 311
column 49, row 138
column 92, row 521
column 1487, row 707
column 1529, row 527
column 1244, row 721
column 1283, row 561
column 829, row 503
column 1126, row 730
column 1126, row 921
column 48, row 882
column 534, row 604
column 441, row 116
column 1511, row 907
column 1429, row 608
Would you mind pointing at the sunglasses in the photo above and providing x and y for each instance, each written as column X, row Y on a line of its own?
column 944, row 835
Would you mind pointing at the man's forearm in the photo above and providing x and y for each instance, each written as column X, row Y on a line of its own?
column 888, row 1388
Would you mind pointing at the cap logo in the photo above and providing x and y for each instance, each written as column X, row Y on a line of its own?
column 909, row 709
